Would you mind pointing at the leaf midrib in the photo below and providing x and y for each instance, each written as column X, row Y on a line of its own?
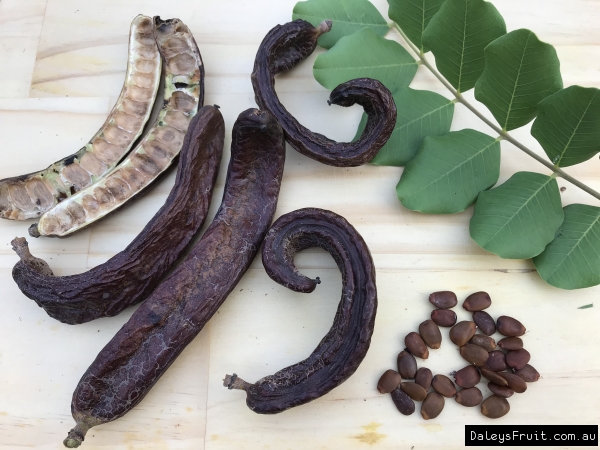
column 512, row 98
column 345, row 21
column 562, row 154
column 423, row 116
column 462, row 54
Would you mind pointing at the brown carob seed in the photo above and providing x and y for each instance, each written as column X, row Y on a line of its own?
column 508, row 326
column 485, row 322
column 494, row 377
column 467, row 377
column 133, row 274
column 432, row 406
column 495, row 407
column 469, row 397
column 517, row 359
column 477, row 301
column 281, row 50
column 511, row 343
column 145, row 347
column 483, row 341
column 424, row 377
column 430, row 333
column 407, row 365
column 443, row 299
column 443, row 317
column 415, row 344
column 474, row 354
column 496, row 361
column 502, row 391
column 443, row 385
column 403, row 402
column 343, row 348
column 414, row 391
column 462, row 332
column 389, row 381
column 528, row 374
column 515, row 382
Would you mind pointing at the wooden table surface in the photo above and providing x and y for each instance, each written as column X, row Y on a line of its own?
column 63, row 63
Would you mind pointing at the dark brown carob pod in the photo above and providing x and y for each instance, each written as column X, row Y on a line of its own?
column 496, row 361
column 509, row 326
column 477, row 301
column 342, row 350
column 502, row 391
column 443, row 299
column 443, row 385
column 389, row 381
column 407, row 365
column 483, row 341
column 131, row 275
column 416, row 345
column 528, row 374
column 469, row 397
column 517, row 359
column 158, row 331
column 281, row 50
column 414, row 391
column 484, row 322
column 403, row 402
column 494, row 377
column 495, row 407
column 443, row 317
column 432, row 406
column 474, row 354
column 511, row 343
column 424, row 377
column 514, row 382
column 467, row 377
column 430, row 333
column 462, row 332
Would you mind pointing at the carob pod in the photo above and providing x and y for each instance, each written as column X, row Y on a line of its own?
column 462, row 332
column 183, row 94
column 495, row 407
column 477, row 301
column 29, row 196
column 343, row 348
column 407, row 365
column 502, row 391
column 131, row 275
column 483, row 341
column 414, row 391
column 484, row 322
column 467, row 377
column 443, row 317
column 443, row 385
column 281, row 50
column 430, row 333
column 403, row 402
column 514, row 382
column 158, row 331
column 474, row 354
column 424, row 377
column 389, row 381
column 509, row 326
column 469, row 397
column 517, row 359
column 511, row 343
column 432, row 406
column 496, row 361
column 443, row 299
column 528, row 374
column 416, row 345
column 494, row 377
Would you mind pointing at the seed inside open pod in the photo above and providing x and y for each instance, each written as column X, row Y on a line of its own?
column 495, row 407
column 415, row 344
column 430, row 333
column 432, row 406
column 469, row 397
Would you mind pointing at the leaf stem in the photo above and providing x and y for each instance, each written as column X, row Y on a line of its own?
column 502, row 133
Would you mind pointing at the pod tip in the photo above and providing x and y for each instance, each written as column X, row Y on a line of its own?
column 76, row 436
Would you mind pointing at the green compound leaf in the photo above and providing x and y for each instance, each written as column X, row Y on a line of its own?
column 457, row 36
column 364, row 54
column 348, row 17
column 572, row 259
column 449, row 172
column 520, row 71
column 518, row 218
column 568, row 125
column 412, row 16
column 420, row 114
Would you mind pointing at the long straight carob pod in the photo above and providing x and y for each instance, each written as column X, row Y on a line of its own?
column 281, row 50
column 130, row 364
column 29, row 196
column 131, row 275
column 341, row 351
column 154, row 154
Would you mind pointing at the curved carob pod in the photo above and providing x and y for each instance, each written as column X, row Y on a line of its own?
column 140, row 353
column 131, row 275
column 341, row 351
column 29, row 196
column 281, row 50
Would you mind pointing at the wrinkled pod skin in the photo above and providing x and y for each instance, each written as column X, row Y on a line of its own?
column 158, row 331
column 343, row 348
column 131, row 275
column 281, row 50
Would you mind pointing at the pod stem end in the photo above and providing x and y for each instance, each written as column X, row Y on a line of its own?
column 76, row 436
column 34, row 231
column 234, row 382
column 323, row 27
